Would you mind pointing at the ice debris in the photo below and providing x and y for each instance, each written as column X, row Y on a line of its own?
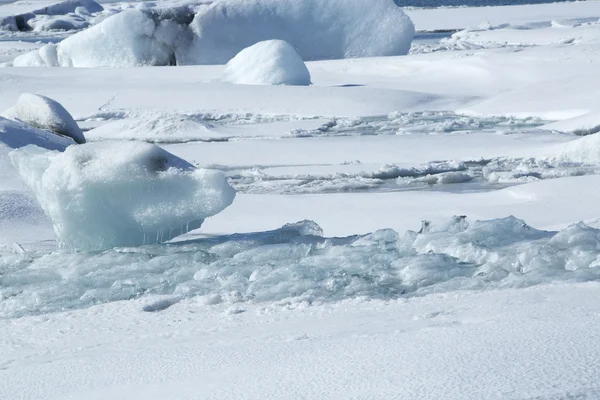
column 297, row 265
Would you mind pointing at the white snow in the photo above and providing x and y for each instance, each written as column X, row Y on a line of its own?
column 316, row 29
column 471, row 139
column 108, row 194
column 271, row 62
column 45, row 113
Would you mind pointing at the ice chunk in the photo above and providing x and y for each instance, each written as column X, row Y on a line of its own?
column 21, row 218
column 14, row 134
column 271, row 62
column 45, row 113
column 107, row 194
column 130, row 38
column 317, row 29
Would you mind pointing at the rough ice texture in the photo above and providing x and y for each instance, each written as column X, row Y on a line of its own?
column 130, row 38
column 45, row 56
column 317, row 29
column 271, row 62
column 298, row 264
column 108, row 194
column 44, row 113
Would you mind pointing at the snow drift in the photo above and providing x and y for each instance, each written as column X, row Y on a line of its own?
column 107, row 194
column 271, row 62
column 44, row 113
column 317, row 29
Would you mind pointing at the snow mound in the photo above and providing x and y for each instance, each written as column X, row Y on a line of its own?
column 584, row 150
column 44, row 113
column 317, row 29
column 271, row 62
column 157, row 127
column 108, row 194
column 130, row 38
column 295, row 264
column 585, row 124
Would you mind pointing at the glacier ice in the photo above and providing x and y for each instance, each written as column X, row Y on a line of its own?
column 317, row 29
column 296, row 264
column 107, row 194
column 271, row 62
column 45, row 113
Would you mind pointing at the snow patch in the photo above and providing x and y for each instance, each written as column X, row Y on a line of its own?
column 271, row 62
column 108, row 194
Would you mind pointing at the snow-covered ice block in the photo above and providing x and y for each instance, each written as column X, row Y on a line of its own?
column 109, row 194
column 44, row 113
column 317, row 29
column 68, row 6
column 42, row 23
column 130, row 38
column 271, row 62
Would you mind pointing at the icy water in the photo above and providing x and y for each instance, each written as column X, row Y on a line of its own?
column 474, row 3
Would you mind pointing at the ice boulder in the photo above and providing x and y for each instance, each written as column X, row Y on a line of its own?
column 111, row 194
column 271, row 62
column 317, row 29
column 44, row 113
column 128, row 39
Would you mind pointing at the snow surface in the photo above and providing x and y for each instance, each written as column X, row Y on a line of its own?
column 412, row 281
column 271, row 62
column 102, row 195
column 316, row 29
column 45, row 113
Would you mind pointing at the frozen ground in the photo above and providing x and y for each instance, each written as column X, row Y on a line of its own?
column 453, row 248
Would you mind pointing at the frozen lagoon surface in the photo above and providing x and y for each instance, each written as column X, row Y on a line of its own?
column 321, row 280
